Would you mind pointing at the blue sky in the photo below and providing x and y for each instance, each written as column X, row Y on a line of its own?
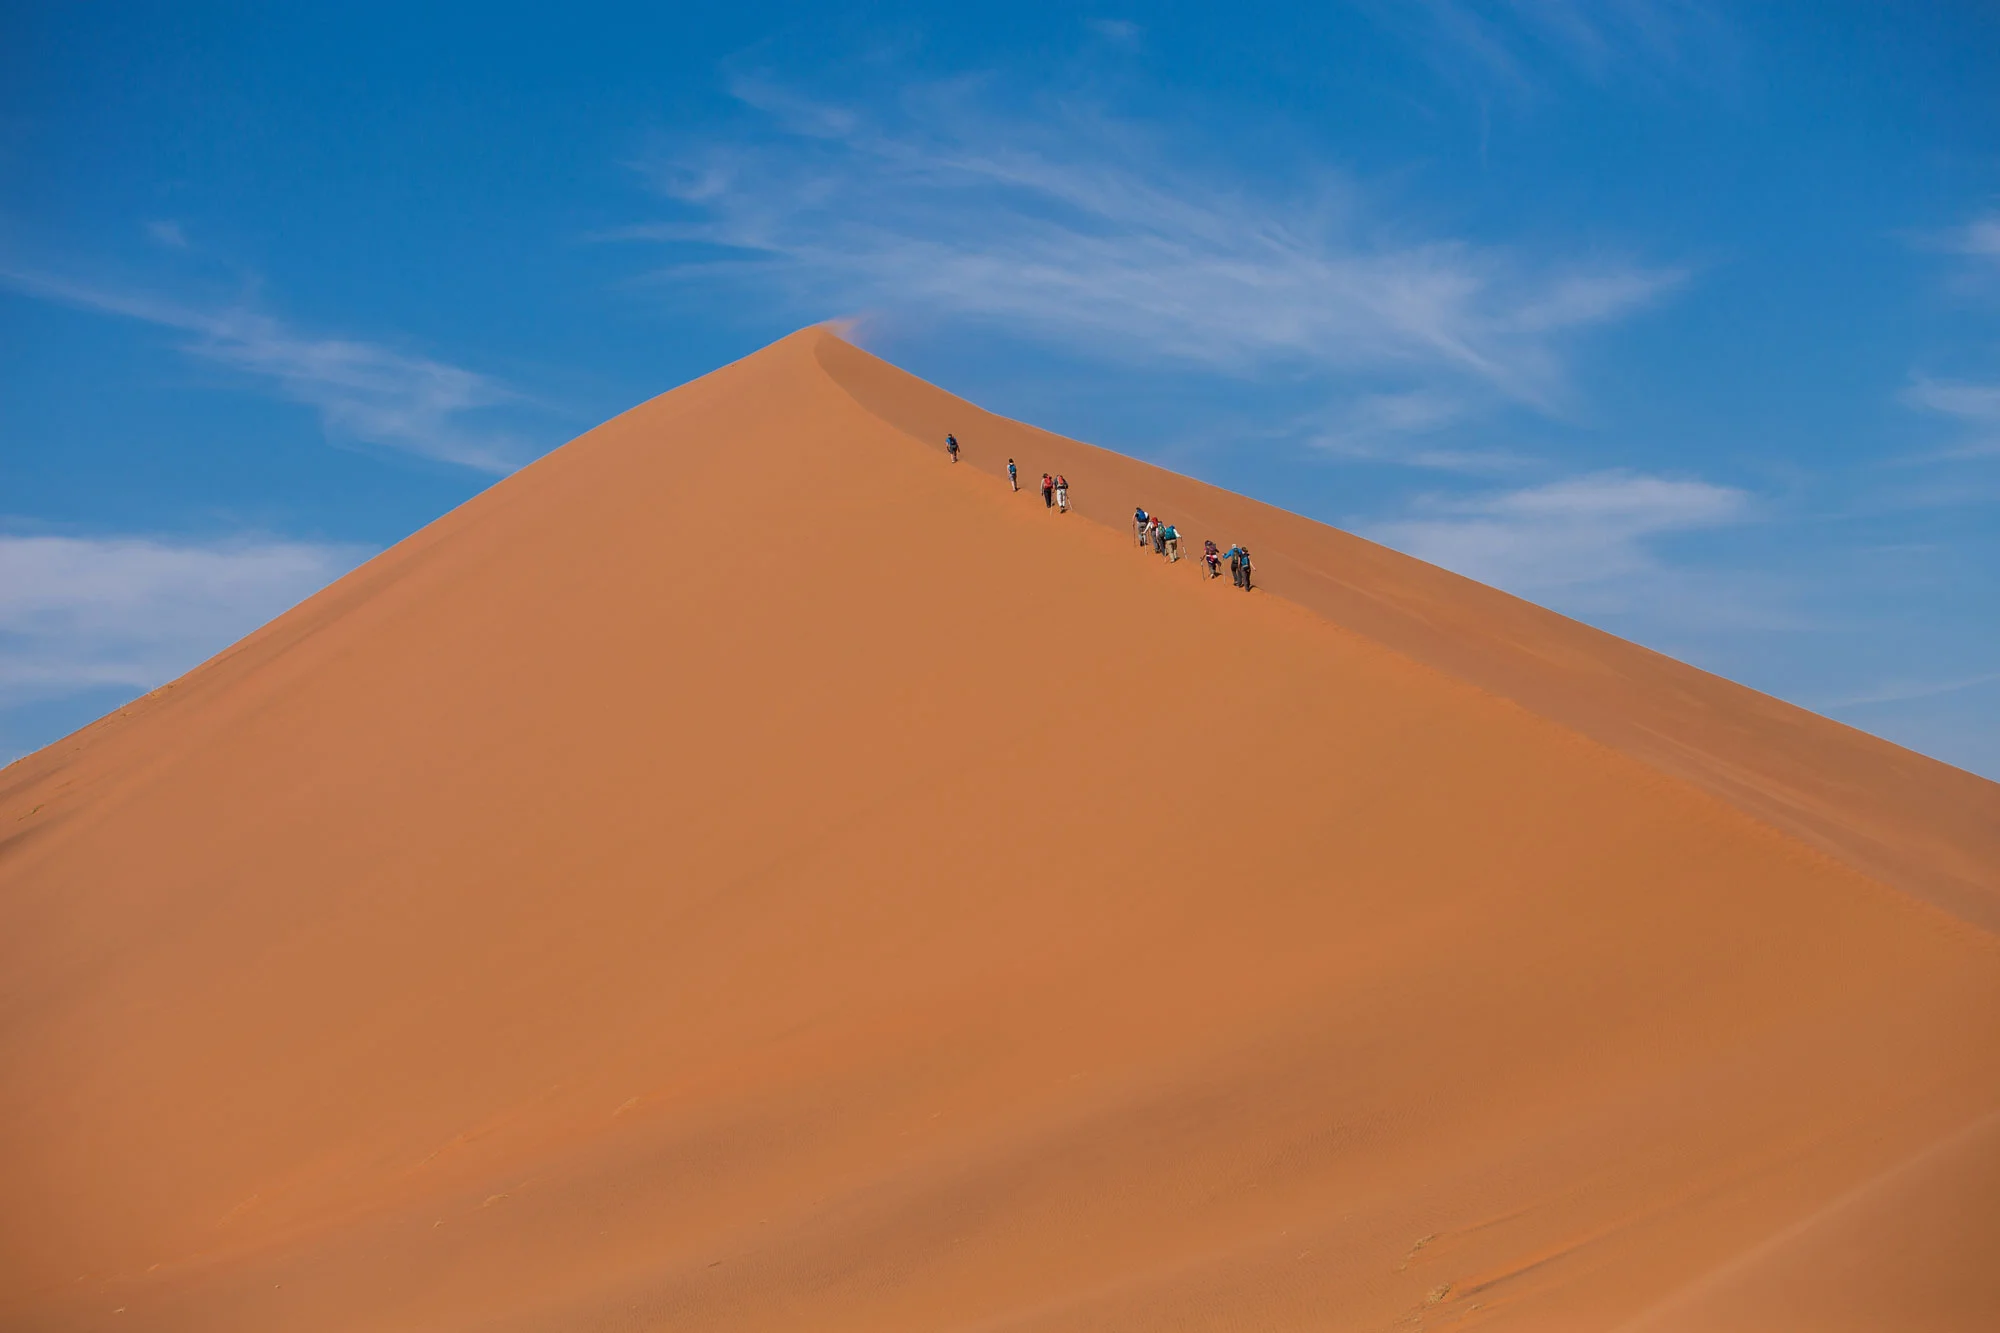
column 1682, row 319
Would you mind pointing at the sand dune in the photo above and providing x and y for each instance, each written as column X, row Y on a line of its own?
column 744, row 871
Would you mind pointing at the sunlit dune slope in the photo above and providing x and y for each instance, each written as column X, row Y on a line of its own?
column 746, row 872
column 1926, row 827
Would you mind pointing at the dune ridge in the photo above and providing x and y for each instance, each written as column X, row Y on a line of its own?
column 744, row 871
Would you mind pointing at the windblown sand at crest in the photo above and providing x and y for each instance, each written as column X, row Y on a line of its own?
column 745, row 871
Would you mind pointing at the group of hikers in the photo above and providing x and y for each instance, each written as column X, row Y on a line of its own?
column 1055, row 488
column 1165, row 539
column 1147, row 529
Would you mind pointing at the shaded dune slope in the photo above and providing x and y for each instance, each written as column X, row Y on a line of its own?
column 743, row 872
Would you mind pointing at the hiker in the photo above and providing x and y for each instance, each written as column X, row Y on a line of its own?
column 1048, row 491
column 1239, row 565
column 951, row 446
column 1171, row 538
column 1139, row 517
column 1013, row 475
column 1062, row 493
column 1212, row 557
column 1159, row 535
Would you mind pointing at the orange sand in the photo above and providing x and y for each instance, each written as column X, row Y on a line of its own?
column 744, row 872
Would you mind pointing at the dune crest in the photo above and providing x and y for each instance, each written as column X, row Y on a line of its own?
column 745, row 871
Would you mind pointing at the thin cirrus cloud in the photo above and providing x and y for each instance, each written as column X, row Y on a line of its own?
column 1069, row 227
column 1906, row 691
column 1123, row 32
column 1401, row 428
column 167, row 232
column 1979, row 239
column 362, row 391
column 1971, row 406
column 1508, row 44
column 79, row 614
column 1586, row 530
column 1974, row 407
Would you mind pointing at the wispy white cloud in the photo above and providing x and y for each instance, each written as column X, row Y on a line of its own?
column 1404, row 428
column 1604, row 35
column 1907, row 691
column 1509, row 42
column 363, row 391
column 1586, row 530
column 1072, row 227
column 167, row 232
column 79, row 614
column 1979, row 238
column 1968, row 401
column 1971, row 405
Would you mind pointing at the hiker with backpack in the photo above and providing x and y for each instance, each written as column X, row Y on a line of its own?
column 1158, row 532
column 1212, row 557
column 1139, row 519
column 1062, row 493
column 1170, row 541
column 1013, row 475
column 1239, row 564
column 1048, row 491
column 951, row 446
